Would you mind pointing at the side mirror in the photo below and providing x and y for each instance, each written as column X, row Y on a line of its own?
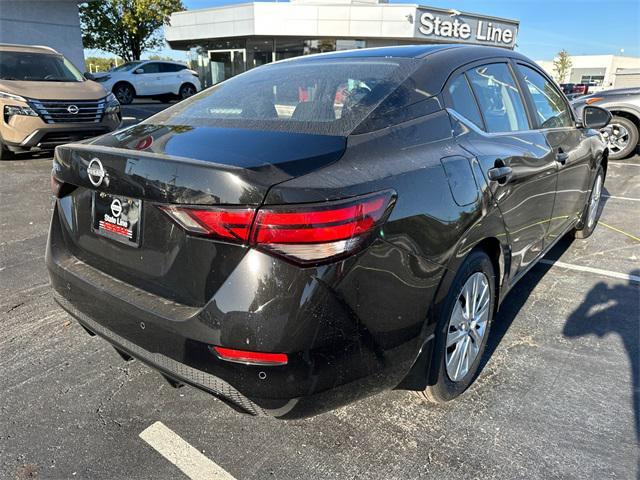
column 88, row 76
column 595, row 117
column 138, row 71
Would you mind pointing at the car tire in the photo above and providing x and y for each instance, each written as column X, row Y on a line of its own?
column 186, row 91
column 124, row 93
column 590, row 214
column 622, row 137
column 451, row 377
column 5, row 153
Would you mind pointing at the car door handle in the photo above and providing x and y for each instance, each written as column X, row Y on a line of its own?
column 562, row 157
column 500, row 174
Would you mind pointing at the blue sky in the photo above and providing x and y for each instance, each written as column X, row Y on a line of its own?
column 582, row 27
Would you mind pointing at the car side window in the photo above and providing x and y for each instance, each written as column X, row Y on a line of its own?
column 551, row 109
column 167, row 68
column 500, row 101
column 151, row 68
column 463, row 102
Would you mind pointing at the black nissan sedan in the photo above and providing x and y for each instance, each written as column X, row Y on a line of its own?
column 324, row 228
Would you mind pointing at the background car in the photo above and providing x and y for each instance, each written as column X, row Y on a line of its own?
column 622, row 133
column 155, row 79
column 45, row 101
column 327, row 227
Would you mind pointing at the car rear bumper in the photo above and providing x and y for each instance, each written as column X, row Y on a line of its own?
column 337, row 352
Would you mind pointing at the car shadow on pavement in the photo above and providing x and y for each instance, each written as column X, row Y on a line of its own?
column 613, row 309
column 518, row 297
column 605, row 310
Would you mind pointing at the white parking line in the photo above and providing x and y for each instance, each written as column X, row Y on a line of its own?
column 187, row 458
column 615, row 197
column 597, row 271
column 625, row 164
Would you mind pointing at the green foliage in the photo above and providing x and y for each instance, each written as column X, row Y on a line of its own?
column 162, row 57
column 126, row 27
column 562, row 66
column 100, row 64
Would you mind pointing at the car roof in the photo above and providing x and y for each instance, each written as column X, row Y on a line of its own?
column 418, row 51
column 12, row 47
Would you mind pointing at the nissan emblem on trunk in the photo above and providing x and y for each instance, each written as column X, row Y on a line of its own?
column 96, row 172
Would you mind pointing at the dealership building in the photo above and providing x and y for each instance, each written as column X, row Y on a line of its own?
column 228, row 40
column 52, row 23
column 600, row 71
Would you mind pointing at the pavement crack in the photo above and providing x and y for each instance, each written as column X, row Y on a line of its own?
column 12, row 308
column 103, row 403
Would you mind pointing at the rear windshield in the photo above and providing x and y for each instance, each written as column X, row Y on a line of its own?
column 323, row 96
column 37, row 67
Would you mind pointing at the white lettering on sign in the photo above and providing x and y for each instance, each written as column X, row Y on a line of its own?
column 485, row 32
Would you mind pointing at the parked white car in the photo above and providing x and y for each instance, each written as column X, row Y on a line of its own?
column 149, row 78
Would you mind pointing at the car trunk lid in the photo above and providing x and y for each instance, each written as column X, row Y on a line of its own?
column 155, row 168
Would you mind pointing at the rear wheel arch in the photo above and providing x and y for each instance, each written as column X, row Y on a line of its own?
column 628, row 115
column 187, row 84
column 417, row 378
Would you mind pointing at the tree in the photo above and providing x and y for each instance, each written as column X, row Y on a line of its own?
column 126, row 27
column 562, row 65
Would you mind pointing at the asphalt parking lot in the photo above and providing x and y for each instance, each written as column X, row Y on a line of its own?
column 559, row 396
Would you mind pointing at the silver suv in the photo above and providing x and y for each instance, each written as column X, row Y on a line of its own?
column 622, row 133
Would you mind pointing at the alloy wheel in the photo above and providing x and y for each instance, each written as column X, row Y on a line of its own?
column 467, row 326
column 124, row 95
column 187, row 91
column 617, row 137
column 594, row 203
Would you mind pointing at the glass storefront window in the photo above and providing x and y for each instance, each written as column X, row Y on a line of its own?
column 257, row 51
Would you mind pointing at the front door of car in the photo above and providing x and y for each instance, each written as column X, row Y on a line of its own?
column 567, row 144
column 147, row 79
column 513, row 156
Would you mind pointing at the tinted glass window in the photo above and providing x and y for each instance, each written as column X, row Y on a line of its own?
column 151, row 68
column 329, row 96
column 463, row 102
column 37, row 67
column 499, row 98
column 168, row 68
column 551, row 109
column 171, row 67
column 125, row 67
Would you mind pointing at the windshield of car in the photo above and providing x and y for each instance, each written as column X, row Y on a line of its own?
column 325, row 96
column 125, row 67
column 37, row 67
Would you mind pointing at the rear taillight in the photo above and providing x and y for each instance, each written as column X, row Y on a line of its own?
column 56, row 185
column 60, row 188
column 225, row 223
column 310, row 233
column 306, row 233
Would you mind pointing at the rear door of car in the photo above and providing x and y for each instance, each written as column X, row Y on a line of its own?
column 170, row 77
column 501, row 137
column 568, row 145
column 149, row 82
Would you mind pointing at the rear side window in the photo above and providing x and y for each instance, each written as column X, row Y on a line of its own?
column 499, row 98
column 151, row 68
column 463, row 102
column 550, row 108
column 171, row 67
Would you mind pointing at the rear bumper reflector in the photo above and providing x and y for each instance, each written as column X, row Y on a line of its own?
column 251, row 358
